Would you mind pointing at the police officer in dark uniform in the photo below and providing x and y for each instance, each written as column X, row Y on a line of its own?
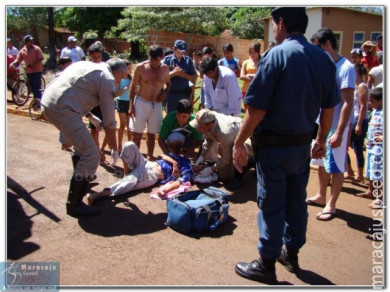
column 295, row 83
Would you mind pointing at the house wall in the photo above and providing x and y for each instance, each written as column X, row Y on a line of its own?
column 348, row 22
column 338, row 19
column 197, row 42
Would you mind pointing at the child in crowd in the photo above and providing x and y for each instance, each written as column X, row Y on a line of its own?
column 123, row 106
column 374, row 164
column 171, row 171
column 229, row 60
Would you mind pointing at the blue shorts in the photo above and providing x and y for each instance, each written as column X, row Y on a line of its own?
column 123, row 106
column 335, row 158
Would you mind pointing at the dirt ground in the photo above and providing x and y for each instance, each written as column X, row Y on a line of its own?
column 129, row 244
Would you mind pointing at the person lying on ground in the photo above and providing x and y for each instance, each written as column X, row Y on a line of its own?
column 139, row 173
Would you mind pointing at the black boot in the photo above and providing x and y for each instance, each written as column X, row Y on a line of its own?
column 289, row 259
column 259, row 270
column 74, row 206
column 75, row 159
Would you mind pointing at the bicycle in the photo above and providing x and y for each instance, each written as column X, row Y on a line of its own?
column 34, row 109
column 20, row 88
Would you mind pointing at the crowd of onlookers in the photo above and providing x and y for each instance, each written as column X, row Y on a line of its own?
column 214, row 128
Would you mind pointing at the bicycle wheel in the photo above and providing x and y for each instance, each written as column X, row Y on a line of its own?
column 20, row 92
column 34, row 110
column 11, row 81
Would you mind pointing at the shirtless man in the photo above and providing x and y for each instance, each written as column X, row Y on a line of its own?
column 149, row 88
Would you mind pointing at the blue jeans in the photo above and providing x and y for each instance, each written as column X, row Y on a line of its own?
column 282, row 177
column 357, row 143
column 34, row 79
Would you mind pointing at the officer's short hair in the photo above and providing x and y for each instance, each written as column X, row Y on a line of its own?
column 294, row 18
column 208, row 64
column 184, row 106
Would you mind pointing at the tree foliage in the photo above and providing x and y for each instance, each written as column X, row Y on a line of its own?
column 246, row 24
column 86, row 19
column 28, row 19
column 137, row 21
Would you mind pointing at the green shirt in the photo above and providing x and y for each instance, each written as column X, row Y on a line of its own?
column 170, row 123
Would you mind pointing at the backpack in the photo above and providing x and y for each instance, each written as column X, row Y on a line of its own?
column 198, row 211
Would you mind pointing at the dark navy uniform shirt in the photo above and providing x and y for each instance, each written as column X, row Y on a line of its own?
column 294, row 80
column 185, row 63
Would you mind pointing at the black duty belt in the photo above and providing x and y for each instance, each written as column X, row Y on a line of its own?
column 270, row 139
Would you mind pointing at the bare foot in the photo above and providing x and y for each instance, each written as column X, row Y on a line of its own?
column 90, row 199
column 316, row 200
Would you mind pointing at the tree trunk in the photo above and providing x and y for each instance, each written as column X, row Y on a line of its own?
column 51, row 64
column 135, row 51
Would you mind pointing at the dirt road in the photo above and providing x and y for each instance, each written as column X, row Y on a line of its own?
column 129, row 244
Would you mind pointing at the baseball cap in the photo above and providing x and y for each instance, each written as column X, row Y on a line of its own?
column 175, row 137
column 357, row 51
column 180, row 45
column 72, row 39
column 283, row 11
column 8, row 40
column 28, row 38
column 204, row 116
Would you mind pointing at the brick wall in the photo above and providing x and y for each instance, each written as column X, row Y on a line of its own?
column 197, row 42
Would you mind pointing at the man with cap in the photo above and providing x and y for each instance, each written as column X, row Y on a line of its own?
column 182, row 73
column 70, row 97
column 220, row 129
column 11, row 50
column 281, row 117
column 74, row 52
column 32, row 57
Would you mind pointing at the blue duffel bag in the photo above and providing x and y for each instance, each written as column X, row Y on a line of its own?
column 198, row 211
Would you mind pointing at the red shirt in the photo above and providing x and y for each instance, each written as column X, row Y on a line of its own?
column 370, row 61
column 32, row 57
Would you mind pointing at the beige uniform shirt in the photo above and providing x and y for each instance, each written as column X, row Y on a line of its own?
column 224, row 132
column 81, row 87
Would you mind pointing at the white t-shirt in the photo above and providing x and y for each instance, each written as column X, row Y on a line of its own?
column 377, row 74
column 75, row 54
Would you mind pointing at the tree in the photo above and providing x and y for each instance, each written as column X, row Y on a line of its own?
column 246, row 24
column 29, row 19
column 137, row 21
column 84, row 19
column 51, row 62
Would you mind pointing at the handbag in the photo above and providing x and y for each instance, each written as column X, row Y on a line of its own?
column 198, row 211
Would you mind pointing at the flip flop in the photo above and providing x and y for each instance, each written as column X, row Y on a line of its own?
column 348, row 176
column 365, row 195
column 332, row 215
column 312, row 203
